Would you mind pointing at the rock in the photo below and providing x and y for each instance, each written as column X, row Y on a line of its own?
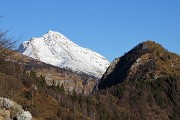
column 5, row 113
column 24, row 115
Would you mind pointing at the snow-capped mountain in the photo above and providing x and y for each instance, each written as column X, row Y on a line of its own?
column 54, row 48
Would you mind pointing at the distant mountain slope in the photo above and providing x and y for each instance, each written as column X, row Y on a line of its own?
column 147, row 60
column 55, row 49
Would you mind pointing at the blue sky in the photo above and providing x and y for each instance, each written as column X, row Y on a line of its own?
column 109, row 27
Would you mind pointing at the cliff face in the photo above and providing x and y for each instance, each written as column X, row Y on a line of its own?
column 145, row 61
column 55, row 76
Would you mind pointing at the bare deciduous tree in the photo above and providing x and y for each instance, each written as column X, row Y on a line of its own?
column 6, row 45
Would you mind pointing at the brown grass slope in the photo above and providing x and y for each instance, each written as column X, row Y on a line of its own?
column 30, row 91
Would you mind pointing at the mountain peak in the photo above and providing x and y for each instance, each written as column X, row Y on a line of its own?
column 151, row 45
column 54, row 35
column 149, row 42
column 50, row 32
column 148, row 46
column 55, row 49
column 147, row 60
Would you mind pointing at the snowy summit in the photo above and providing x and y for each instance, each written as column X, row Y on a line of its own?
column 55, row 49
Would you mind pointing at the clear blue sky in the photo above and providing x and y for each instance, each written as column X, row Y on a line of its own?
column 109, row 27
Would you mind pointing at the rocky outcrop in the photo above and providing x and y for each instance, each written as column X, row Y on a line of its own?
column 61, row 77
column 11, row 110
column 111, row 68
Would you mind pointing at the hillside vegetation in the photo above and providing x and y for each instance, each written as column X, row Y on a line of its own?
column 147, row 82
column 142, row 84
